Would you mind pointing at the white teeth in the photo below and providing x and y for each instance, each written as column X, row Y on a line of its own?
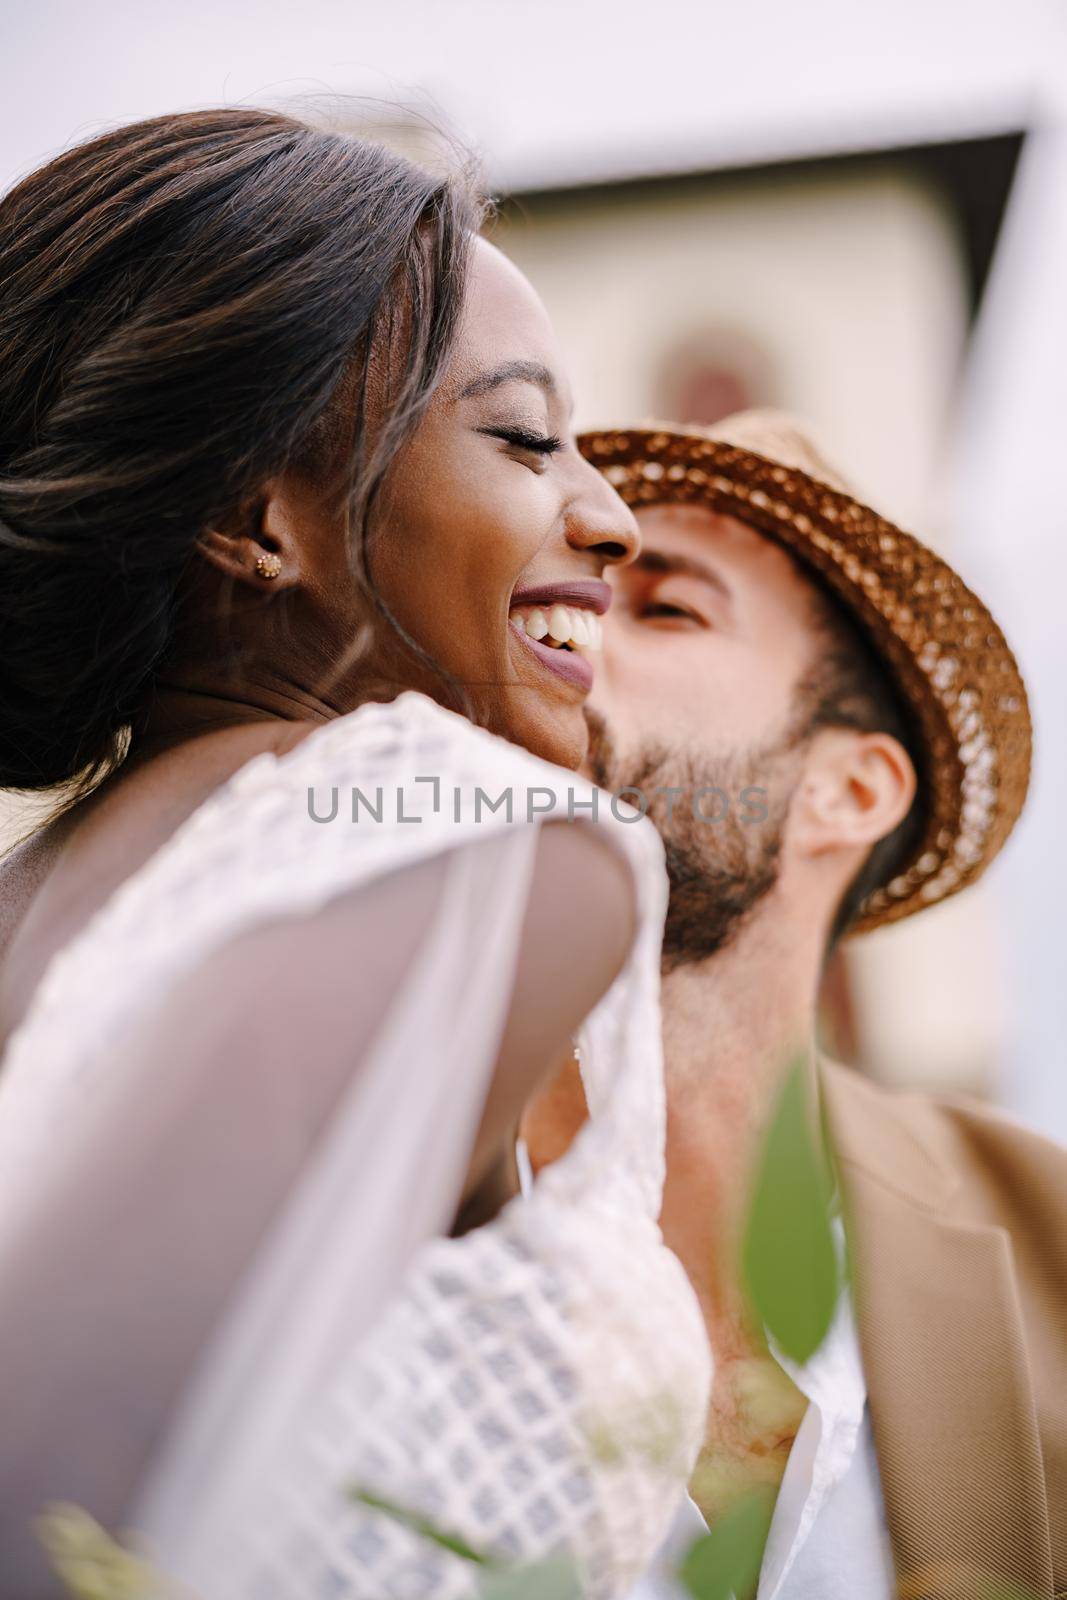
column 561, row 625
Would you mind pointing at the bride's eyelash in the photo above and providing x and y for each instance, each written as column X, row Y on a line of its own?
column 543, row 444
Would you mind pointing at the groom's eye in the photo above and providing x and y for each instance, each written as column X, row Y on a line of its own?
column 664, row 608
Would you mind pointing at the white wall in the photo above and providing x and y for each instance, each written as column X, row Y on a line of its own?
column 560, row 91
column 1012, row 499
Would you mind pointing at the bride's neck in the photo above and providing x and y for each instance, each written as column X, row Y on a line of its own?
column 185, row 705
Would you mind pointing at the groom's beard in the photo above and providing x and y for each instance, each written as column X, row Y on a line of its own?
column 718, row 871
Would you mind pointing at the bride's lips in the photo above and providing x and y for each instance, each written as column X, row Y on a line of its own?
column 566, row 664
column 591, row 594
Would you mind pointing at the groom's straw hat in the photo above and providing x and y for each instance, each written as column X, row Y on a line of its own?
column 944, row 651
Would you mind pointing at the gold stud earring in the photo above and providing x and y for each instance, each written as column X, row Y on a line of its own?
column 268, row 566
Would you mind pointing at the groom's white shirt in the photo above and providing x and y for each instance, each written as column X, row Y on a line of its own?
column 828, row 1538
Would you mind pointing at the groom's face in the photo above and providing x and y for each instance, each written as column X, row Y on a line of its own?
column 710, row 631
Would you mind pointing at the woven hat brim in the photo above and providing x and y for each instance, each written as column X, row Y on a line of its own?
column 945, row 652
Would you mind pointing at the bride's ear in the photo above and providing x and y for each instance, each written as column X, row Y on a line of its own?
column 254, row 544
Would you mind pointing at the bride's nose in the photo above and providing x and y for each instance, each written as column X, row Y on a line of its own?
column 598, row 520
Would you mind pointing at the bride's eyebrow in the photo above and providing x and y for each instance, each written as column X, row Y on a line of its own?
column 525, row 371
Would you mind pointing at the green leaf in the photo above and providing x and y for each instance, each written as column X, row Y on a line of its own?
column 726, row 1562
column 790, row 1263
column 89, row 1563
column 422, row 1525
column 554, row 1579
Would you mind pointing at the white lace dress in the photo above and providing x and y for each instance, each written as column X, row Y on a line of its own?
column 539, row 1385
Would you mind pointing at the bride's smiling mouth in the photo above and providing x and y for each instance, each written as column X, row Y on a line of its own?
column 559, row 623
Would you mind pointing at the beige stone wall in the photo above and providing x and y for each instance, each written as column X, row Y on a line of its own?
column 852, row 283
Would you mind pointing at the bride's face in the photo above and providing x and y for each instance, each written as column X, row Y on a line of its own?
column 492, row 528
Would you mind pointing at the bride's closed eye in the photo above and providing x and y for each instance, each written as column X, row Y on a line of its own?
column 537, row 444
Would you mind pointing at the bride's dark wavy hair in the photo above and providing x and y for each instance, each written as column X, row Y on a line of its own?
column 188, row 305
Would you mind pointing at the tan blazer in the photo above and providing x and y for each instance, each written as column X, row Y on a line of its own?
column 957, row 1221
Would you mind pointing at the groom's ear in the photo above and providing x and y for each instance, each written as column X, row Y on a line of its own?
column 856, row 788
